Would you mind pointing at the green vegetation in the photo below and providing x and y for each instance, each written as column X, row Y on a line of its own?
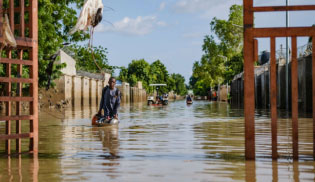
column 55, row 19
column 84, row 58
column 140, row 70
column 221, row 60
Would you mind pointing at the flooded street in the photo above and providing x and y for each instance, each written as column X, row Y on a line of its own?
column 178, row 142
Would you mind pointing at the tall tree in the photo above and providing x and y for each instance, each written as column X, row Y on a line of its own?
column 84, row 58
column 55, row 18
column 222, row 60
column 180, row 87
column 159, row 74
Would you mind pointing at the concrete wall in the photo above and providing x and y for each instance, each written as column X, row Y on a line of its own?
column 64, row 85
column 76, row 91
column 137, row 95
column 262, row 86
column 70, row 68
column 93, row 92
column 223, row 93
column 99, row 86
column 85, row 91
column 125, row 92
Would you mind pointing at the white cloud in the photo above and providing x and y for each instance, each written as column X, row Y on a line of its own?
column 204, row 7
column 192, row 6
column 162, row 6
column 137, row 26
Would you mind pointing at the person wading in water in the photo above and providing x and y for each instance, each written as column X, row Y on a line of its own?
column 110, row 101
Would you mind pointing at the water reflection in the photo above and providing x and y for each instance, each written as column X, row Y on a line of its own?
column 19, row 169
column 200, row 142
column 110, row 140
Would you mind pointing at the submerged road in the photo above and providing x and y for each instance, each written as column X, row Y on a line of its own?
column 199, row 142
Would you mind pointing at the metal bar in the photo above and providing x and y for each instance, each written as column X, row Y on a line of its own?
column 273, row 97
column 8, row 107
column 16, row 136
column 287, row 60
column 16, row 99
column 20, row 117
column 313, row 70
column 16, row 80
column 16, row 61
column 275, row 174
column 34, row 76
column 1, row 15
column 18, row 128
column 11, row 12
column 294, row 83
column 22, row 22
column 18, row 9
column 255, row 50
column 284, row 8
column 283, row 32
column 249, row 90
column 22, row 42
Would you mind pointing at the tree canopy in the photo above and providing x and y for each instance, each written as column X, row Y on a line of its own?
column 221, row 60
column 141, row 70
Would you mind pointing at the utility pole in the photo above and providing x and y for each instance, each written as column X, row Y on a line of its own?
column 287, row 61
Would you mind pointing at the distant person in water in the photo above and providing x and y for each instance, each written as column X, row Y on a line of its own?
column 110, row 101
column 188, row 98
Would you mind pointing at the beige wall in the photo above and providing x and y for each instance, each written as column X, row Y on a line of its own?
column 76, row 91
column 64, row 85
column 223, row 93
column 70, row 68
column 93, row 92
column 85, row 91
column 99, row 84
column 106, row 77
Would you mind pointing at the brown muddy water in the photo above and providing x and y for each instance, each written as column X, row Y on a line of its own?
column 201, row 142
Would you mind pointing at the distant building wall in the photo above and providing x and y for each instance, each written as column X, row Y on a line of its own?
column 262, row 86
column 70, row 68
column 82, row 88
column 85, row 91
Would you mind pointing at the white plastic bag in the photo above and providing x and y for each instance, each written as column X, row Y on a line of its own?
column 8, row 37
column 87, row 15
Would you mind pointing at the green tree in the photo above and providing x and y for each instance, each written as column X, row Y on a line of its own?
column 84, row 58
column 223, row 60
column 123, row 75
column 55, row 19
column 159, row 74
column 180, row 87
column 138, row 70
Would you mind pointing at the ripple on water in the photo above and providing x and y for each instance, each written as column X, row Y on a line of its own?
column 200, row 142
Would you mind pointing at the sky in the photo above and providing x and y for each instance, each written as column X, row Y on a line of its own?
column 172, row 31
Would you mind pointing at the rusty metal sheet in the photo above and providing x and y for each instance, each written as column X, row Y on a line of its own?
column 16, row 80
column 284, row 8
column 283, row 32
column 15, row 136
column 294, row 84
column 20, row 117
column 249, row 90
column 23, row 43
column 16, row 99
column 313, row 79
column 273, row 97
column 16, row 61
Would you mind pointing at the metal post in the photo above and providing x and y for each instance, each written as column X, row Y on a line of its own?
column 287, row 62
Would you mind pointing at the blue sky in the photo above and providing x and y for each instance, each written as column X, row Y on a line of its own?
column 173, row 30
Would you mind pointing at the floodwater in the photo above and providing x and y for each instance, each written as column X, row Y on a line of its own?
column 201, row 142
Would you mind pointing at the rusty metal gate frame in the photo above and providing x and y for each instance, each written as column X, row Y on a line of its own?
column 26, row 35
column 251, row 54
